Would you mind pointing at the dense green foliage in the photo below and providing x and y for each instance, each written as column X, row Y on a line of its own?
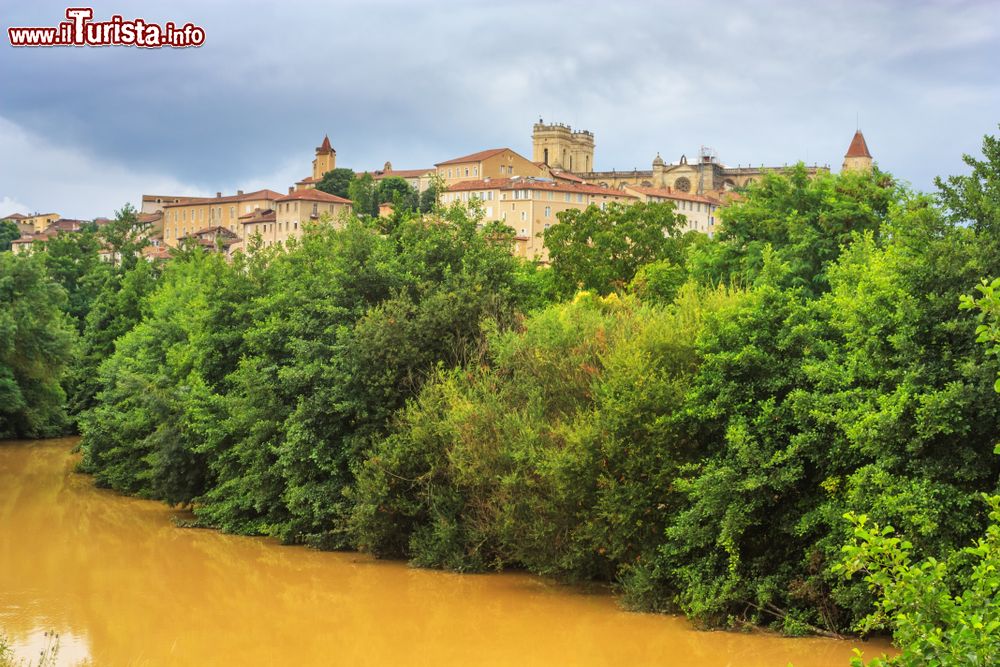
column 36, row 341
column 687, row 417
column 337, row 181
column 602, row 249
column 8, row 232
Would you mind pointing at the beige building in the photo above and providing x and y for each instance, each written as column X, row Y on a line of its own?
column 530, row 205
column 37, row 222
column 155, row 203
column 198, row 213
column 291, row 213
column 419, row 179
column 493, row 163
column 698, row 210
column 857, row 158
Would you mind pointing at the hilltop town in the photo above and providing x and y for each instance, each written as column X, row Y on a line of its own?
column 525, row 194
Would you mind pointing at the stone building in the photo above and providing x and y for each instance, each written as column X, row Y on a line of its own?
column 530, row 205
column 561, row 148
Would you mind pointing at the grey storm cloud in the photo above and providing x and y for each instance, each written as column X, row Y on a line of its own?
column 417, row 83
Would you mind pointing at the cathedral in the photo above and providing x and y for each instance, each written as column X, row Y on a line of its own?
column 563, row 149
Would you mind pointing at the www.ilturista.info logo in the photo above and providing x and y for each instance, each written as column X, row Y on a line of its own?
column 80, row 30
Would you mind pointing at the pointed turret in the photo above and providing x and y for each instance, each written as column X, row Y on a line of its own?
column 857, row 158
column 326, row 159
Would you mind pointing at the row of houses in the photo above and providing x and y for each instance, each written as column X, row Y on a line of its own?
column 525, row 194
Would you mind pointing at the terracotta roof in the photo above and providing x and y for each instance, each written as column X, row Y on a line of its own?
column 258, row 194
column 567, row 176
column 325, row 146
column 858, row 146
column 537, row 184
column 161, row 252
column 267, row 215
column 668, row 193
column 166, row 198
column 313, row 195
column 402, row 173
column 15, row 216
column 475, row 157
column 145, row 217
column 218, row 229
column 307, row 179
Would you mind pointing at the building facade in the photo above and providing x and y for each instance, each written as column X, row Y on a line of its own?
column 196, row 213
column 530, row 205
column 492, row 163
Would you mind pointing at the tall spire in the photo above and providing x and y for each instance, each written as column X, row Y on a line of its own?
column 858, row 157
column 858, row 147
column 325, row 146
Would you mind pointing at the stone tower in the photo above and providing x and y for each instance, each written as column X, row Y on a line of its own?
column 326, row 159
column 857, row 158
column 560, row 147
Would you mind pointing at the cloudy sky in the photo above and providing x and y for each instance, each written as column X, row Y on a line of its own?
column 84, row 130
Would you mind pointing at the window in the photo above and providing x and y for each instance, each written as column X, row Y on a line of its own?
column 475, row 171
column 547, row 225
column 568, row 196
column 524, row 216
column 232, row 211
column 524, row 232
column 296, row 225
column 449, row 173
column 579, row 198
column 489, row 211
column 551, row 195
column 466, row 171
column 315, row 209
column 548, row 211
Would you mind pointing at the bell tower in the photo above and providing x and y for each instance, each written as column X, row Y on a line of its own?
column 326, row 159
column 857, row 158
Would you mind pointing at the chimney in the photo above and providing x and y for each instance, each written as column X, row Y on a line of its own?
column 218, row 195
column 239, row 193
column 291, row 189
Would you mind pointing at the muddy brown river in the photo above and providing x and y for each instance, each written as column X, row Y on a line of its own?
column 122, row 585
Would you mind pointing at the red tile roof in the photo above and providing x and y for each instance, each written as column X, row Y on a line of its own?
column 313, row 195
column 325, row 147
column 537, row 184
column 402, row 173
column 268, row 195
column 15, row 216
column 266, row 215
column 668, row 193
column 858, row 146
column 475, row 157
column 567, row 176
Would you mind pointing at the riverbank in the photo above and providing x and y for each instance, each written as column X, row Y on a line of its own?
column 122, row 584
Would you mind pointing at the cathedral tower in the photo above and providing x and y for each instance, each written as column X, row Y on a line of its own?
column 560, row 147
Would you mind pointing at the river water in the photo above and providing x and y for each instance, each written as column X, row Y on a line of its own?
column 122, row 585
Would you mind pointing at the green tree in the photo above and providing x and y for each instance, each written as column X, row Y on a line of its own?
column 930, row 624
column 398, row 192
column 361, row 191
column 337, row 182
column 36, row 341
column 72, row 260
column 8, row 232
column 601, row 250
column 805, row 220
column 124, row 238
